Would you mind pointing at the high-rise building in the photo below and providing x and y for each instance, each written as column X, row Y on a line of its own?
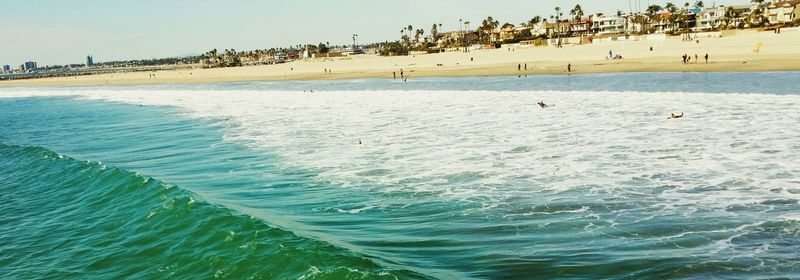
column 89, row 60
column 6, row 69
column 28, row 66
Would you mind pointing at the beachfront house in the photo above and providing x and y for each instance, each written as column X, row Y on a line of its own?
column 603, row 24
column 539, row 29
column 449, row 39
column 580, row 27
column 662, row 23
column 783, row 11
column 736, row 16
column 710, row 18
column 636, row 23
column 508, row 32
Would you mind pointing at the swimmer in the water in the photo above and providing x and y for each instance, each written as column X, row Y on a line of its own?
column 674, row 116
column 541, row 104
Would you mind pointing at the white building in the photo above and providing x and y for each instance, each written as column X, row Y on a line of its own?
column 608, row 24
column 783, row 11
column 710, row 18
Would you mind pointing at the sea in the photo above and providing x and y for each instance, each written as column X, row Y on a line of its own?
column 432, row 178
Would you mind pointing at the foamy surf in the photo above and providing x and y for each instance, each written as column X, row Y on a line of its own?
column 500, row 187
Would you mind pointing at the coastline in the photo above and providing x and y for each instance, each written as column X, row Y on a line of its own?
column 747, row 52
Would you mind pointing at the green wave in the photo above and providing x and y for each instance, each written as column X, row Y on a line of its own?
column 65, row 218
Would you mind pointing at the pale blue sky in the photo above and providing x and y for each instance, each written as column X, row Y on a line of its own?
column 61, row 31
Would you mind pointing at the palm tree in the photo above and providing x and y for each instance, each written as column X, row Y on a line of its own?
column 558, row 21
column 488, row 27
column 671, row 8
column 577, row 12
column 757, row 17
column 434, row 32
column 730, row 14
column 698, row 4
column 653, row 9
column 534, row 21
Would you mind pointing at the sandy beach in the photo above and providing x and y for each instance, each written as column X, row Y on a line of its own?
column 748, row 50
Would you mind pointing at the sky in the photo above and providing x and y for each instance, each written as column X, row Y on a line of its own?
column 54, row 32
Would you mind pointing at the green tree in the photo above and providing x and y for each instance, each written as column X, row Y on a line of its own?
column 577, row 12
column 534, row 21
column 557, row 17
column 488, row 26
column 698, row 4
column 434, row 33
column 653, row 9
column 671, row 8
column 322, row 48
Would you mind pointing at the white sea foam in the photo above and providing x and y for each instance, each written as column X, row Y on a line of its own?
column 500, row 153
column 496, row 145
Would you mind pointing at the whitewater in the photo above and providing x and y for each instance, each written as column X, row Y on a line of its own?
column 479, row 183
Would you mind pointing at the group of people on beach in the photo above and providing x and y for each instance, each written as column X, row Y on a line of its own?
column 403, row 76
column 524, row 67
column 688, row 58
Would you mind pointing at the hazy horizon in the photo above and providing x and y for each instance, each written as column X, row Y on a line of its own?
column 53, row 32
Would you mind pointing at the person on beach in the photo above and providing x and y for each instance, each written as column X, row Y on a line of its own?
column 706, row 58
column 684, row 58
column 401, row 73
column 569, row 68
column 541, row 104
column 696, row 58
column 674, row 116
column 526, row 66
column 394, row 75
column 519, row 67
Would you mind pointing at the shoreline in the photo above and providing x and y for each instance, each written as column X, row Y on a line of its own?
column 486, row 71
column 747, row 52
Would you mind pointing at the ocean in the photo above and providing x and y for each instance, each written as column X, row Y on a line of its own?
column 434, row 178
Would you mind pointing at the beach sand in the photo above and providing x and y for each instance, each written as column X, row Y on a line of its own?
column 776, row 52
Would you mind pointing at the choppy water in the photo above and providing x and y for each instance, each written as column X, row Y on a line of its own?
column 456, row 178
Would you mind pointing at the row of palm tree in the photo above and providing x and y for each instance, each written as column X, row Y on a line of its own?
column 680, row 18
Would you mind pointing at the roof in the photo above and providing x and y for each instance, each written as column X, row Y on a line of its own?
column 784, row 4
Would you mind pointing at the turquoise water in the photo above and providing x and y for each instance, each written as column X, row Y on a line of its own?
column 457, row 178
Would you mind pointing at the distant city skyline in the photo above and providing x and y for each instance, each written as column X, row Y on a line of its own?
column 54, row 32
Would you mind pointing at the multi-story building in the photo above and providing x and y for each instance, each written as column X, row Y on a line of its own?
column 710, row 18
column 608, row 24
column 662, row 23
column 736, row 15
column 783, row 11
column 580, row 27
column 6, row 69
column 28, row 66
column 89, row 60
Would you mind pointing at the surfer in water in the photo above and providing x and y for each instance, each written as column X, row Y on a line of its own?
column 674, row 116
column 541, row 104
